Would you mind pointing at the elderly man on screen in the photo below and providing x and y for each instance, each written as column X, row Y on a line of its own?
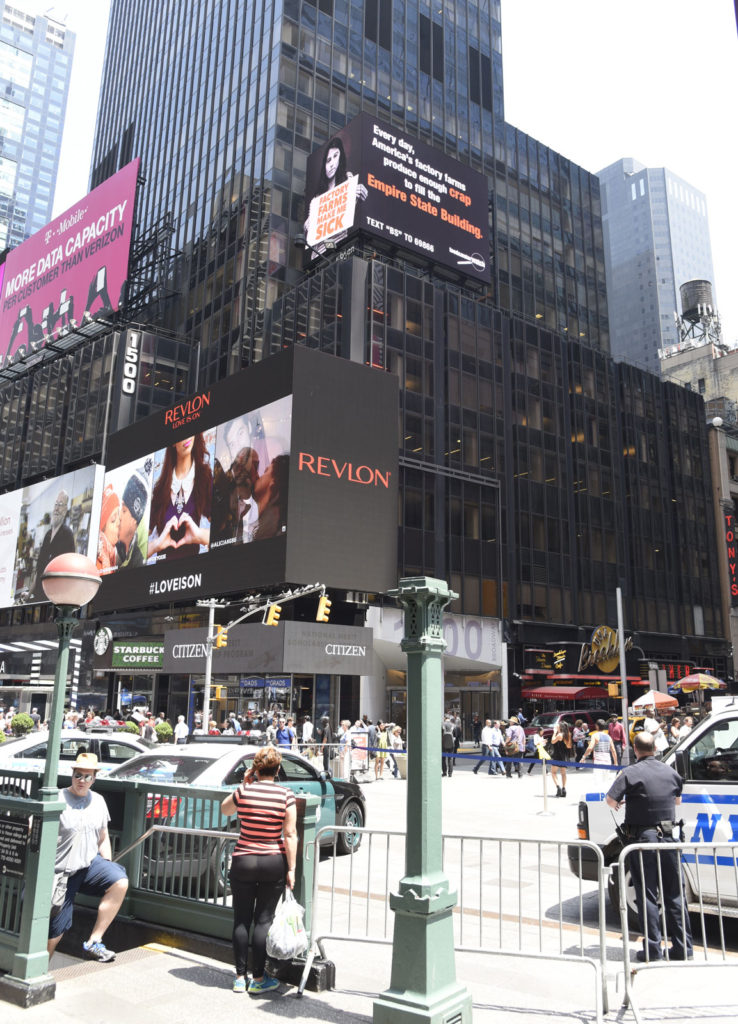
column 58, row 540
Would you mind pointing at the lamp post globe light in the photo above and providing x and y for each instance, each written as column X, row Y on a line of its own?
column 70, row 582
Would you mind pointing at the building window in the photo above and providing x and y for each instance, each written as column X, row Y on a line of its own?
column 431, row 48
column 378, row 22
column 701, row 385
column 480, row 78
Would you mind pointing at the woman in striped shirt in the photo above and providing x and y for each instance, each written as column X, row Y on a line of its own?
column 263, row 862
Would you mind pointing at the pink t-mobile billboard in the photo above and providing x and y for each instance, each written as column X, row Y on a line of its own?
column 71, row 272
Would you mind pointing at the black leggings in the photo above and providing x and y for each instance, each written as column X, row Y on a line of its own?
column 257, row 882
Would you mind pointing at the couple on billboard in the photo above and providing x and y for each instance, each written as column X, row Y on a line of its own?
column 249, row 497
column 122, row 523
column 194, row 508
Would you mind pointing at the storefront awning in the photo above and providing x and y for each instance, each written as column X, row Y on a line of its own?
column 563, row 692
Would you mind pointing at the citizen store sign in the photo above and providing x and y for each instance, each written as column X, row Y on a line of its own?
column 288, row 647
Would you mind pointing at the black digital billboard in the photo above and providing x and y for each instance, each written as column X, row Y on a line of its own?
column 283, row 473
column 375, row 178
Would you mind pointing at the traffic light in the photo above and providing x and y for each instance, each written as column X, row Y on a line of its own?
column 324, row 609
column 218, row 692
column 221, row 639
column 613, row 689
column 275, row 610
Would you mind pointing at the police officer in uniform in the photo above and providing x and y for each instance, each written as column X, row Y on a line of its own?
column 652, row 790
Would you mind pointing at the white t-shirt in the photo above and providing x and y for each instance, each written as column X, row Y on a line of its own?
column 181, row 731
column 660, row 741
column 650, row 725
column 81, row 824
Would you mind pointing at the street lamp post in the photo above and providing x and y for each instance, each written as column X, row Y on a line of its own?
column 423, row 986
column 69, row 581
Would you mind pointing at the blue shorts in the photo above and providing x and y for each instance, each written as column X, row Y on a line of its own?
column 94, row 880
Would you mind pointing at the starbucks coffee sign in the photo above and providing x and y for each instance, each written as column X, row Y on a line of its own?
column 138, row 655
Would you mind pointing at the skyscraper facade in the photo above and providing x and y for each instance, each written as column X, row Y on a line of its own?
column 536, row 474
column 656, row 238
column 36, row 53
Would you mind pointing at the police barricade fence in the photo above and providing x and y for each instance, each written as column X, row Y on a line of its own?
column 709, row 887
column 515, row 897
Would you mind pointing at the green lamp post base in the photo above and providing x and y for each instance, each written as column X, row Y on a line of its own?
column 449, row 1006
column 423, row 987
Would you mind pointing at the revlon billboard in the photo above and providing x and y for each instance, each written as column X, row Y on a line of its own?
column 284, row 473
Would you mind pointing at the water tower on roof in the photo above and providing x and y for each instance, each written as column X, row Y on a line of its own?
column 699, row 323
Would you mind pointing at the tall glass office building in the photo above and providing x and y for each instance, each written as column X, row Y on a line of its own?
column 536, row 475
column 657, row 238
column 36, row 54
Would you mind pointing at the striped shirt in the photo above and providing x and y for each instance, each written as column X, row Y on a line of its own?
column 261, row 809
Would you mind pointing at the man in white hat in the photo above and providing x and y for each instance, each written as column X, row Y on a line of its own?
column 83, row 861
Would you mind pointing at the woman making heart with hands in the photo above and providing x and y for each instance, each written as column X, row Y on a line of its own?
column 181, row 503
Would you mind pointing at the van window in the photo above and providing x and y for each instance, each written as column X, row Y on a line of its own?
column 714, row 757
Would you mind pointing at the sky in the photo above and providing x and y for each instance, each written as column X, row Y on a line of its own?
column 597, row 80
column 656, row 80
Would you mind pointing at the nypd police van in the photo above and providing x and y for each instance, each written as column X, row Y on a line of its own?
column 707, row 760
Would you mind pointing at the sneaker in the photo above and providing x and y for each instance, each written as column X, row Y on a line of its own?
column 239, row 984
column 97, row 951
column 266, row 984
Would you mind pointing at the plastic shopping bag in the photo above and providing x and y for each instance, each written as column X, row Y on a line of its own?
column 287, row 936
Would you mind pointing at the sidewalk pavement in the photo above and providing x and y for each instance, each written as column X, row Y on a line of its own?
column 187, row 988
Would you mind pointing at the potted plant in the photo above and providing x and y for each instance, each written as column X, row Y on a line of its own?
column 164, row 732
column 21, row 723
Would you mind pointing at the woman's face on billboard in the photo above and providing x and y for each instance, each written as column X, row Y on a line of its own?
column 184, row 447
column 332, row 160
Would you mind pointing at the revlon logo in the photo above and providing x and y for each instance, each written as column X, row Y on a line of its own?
column 321, row 465
column 188, row 412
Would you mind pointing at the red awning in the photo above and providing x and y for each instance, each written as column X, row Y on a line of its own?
column 597, row 678
column 563, row 692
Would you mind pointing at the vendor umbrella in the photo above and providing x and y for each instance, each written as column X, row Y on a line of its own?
column 655, row 699
column 697, row 681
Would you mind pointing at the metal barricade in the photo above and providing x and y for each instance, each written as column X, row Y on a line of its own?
column 515, row 897
column 709, row 895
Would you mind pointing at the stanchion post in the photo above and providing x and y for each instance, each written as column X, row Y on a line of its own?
column 544, row 775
